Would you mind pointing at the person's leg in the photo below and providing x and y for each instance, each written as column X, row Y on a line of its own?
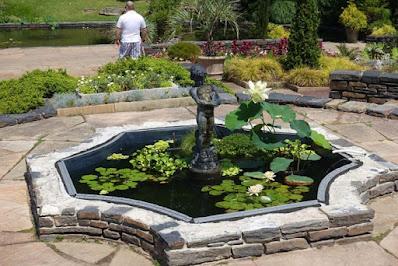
column 135, row 50
column 125, row 49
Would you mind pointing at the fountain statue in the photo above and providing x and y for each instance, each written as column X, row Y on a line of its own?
column 205, row 160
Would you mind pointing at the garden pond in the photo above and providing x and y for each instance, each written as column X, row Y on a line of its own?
column 180, row 190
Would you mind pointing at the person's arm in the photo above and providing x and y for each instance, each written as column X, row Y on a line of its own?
column 118, row 34
column 144, row 31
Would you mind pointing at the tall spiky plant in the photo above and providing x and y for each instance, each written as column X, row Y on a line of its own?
column 206, row 16
column 304, row 49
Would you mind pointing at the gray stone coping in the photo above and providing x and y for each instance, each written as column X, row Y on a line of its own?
column 345, row 217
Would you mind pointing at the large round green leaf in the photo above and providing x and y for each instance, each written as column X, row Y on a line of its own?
column 277, row 111
column 320, row 140
column 302, row 128
column 240, row 117
column 280, row 164
column 298, row 180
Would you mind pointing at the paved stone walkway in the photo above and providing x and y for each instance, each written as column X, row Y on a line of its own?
column 77, row 60
column 19, row 246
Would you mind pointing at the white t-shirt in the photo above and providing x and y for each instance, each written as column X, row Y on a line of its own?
column 131, row 24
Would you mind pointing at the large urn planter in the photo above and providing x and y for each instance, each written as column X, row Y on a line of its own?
column 214, row 65
column 352, row 35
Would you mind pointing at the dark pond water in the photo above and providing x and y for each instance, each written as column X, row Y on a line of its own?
column 184, row 194
column 58, row 37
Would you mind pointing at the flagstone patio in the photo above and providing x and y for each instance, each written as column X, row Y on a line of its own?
column 19, row 245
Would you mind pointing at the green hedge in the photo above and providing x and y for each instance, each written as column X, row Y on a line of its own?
column 24, row 94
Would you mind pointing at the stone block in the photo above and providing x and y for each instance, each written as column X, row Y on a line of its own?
column 135, row 223
column 248, row 250
column 378, row 87
column 199, row 241
column 335, row 94
column 68, row 211
column 115, row 227
column 323, row 243
column 371, row 76
column 389, row 78
column 71, row 230
column 282, row 98
column 84, row 222
column 348, row 215
column 393, row 89
column 327, row 234
column 46, row 222
column 65, row 220
column 89, row 213
column 348, row 240
column 365, row 185
column 333, row 104
column 388, row 177
column 382, row 189
column 338, row 85
column 217, row 244
column 286, row 245
column 99, row 224
column 394, row 114
column 148, row 247
column 304, row 226
column 353, row 106
column 377, row 100
column 295, row 235
column 193, row 256
column 364, row 197
column 346, row 75
column 114, row 214
column 242, row 97
column 262, row 235
column 144, row 235
column 111, row 234
column 128, row 229
column 130, row 239
column 360, row 229
column 227, row 98
column 173, row 240
column 235, row 242
column 354, row 95
column 380, row 110
column 310, row 101
column 357, row 85
column 396, row 185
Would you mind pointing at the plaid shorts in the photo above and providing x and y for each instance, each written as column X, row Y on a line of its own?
column 130, row 49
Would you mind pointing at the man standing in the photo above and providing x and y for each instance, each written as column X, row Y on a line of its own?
column 129, row 28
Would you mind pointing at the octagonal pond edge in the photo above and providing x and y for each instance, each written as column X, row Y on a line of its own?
column 342, row 218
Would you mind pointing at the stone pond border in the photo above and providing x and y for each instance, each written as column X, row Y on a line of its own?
column 174, row 242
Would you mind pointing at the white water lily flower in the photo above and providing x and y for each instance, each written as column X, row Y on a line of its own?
column 258, row 91
column 269, row 175
column 255, row 190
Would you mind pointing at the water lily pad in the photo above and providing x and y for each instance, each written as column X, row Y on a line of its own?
column 256, row 175
column 298, row 180
column 280, row 164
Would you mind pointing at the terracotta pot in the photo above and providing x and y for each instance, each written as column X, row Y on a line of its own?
column 352, row 35
column 214, row 65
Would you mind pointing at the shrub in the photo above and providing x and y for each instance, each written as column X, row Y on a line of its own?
column 304, row 49
column 236, row 146
column 277, row 31
column 184, row 50
column 159, row 12
column 331, row 64
column 353, row 18
column 282, row 12
column 28, row 92
column 246, row 69
column 351, row 53
column 307, row 77
column 385, row 30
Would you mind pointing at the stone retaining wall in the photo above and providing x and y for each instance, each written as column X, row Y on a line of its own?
column 344, row 219
column 368, row 86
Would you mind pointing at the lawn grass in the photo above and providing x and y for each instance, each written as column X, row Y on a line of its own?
column 63, row 10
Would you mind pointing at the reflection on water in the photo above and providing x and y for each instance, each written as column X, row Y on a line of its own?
column 58, row 37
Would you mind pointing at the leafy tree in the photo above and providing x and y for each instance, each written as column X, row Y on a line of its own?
column 159, row 12
column 304, row 47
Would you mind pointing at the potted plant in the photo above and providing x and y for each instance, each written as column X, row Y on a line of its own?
column 354, row 20
column 207, row 16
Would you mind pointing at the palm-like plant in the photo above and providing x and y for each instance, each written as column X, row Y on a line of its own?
column 206, row 15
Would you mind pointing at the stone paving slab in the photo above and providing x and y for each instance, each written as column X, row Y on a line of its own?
column 10, row 238
column 14, row 208
column 31, row 254
column 386, row 214
column 87, row 252
column 8, row 162
column 16, row 173
column 127, row 257
column 390, row 243
column 356, row 254
column 359, row 133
